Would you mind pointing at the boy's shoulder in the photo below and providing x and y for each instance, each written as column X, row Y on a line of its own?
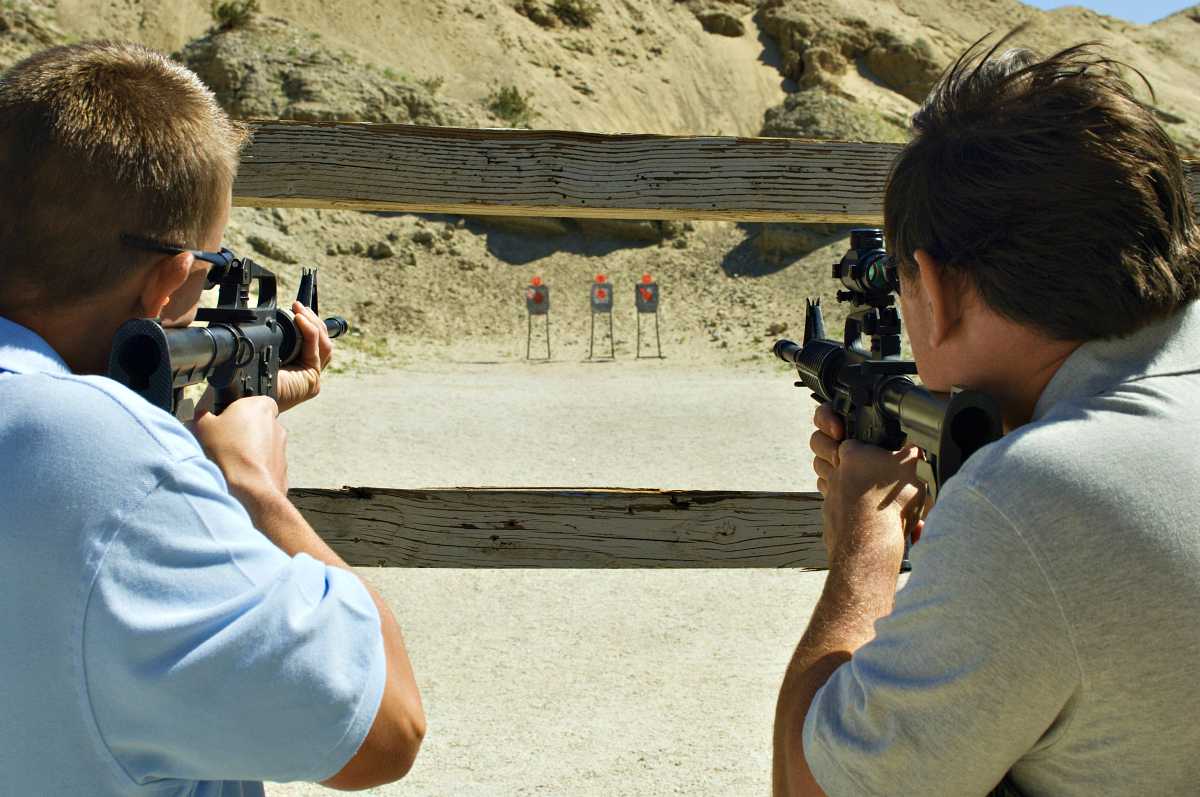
column 73, row 413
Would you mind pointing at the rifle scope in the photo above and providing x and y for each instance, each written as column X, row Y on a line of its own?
column 868, row 269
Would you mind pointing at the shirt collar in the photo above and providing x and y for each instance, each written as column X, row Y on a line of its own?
column 22, row 351
column 1170, row 346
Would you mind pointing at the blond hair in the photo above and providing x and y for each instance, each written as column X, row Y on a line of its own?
column 98, row 140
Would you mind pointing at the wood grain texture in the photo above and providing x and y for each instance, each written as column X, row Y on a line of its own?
column 584, row 175
column 564, row 528
column 540, row 173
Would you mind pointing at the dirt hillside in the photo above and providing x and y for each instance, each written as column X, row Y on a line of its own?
column 433, row 286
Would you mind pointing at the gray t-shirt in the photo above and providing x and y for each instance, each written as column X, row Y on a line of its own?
column 1050, row 628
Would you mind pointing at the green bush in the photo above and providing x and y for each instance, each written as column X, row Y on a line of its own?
column 233, row 14
column 576, row 13
column 508, row 103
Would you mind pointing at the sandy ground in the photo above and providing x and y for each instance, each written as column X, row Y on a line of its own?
column 579, row 682
column 628, row 423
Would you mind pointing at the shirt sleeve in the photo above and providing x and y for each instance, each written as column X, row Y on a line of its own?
column 211, row 655
column 970, row 672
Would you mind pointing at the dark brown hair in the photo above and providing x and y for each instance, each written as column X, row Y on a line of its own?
column 96, row 140
column 1052, row 188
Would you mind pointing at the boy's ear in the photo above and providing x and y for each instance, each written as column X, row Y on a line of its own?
column 945, row 297
column 162, row 279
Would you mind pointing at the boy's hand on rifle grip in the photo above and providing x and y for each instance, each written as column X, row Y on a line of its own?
column 301, row 380
column 872, row 495
column 249, row 445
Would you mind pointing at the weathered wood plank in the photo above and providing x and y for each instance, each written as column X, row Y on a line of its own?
column 521, row 172
column 564, row 528
column 584, row 175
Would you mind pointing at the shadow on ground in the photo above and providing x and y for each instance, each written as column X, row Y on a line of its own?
column 518, row 249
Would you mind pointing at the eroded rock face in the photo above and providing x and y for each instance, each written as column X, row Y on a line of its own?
column 908, row 68
column 814, row 113
column 538, row 12
column 720, row 20
column 818, row 41
column 722, row 17
column 25, row 28
column 275, row 70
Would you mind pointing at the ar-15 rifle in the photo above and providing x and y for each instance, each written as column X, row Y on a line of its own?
column 872, row 389
column 239, row 353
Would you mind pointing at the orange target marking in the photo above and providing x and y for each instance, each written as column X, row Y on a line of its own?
column 601, row 279
column 646, row 279
column 536, row 281
column 601, row 294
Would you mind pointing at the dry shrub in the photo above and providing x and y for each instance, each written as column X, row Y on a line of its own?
column 233, row 14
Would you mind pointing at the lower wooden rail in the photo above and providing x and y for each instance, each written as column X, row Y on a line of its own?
column 567, row 528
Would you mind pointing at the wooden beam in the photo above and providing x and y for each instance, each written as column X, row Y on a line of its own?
column 541, row 173
column 584, row 175
column 564, row 528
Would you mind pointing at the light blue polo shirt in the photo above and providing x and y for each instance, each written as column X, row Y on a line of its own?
column 151, row 640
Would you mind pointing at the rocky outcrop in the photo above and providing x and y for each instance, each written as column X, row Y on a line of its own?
column 813, row 113
column 908, row 68
column 275, row 70
column 722, row 17
column 720, row 20
column 818, row 42
column 25, row 28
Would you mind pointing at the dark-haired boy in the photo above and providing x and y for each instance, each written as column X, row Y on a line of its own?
column 171, row 624
column 1045, row 641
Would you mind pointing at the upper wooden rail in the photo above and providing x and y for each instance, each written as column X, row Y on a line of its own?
column 564, row 528
column 585, row 175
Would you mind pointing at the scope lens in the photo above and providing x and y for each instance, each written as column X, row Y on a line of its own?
column 875, row 276
column 875, row 273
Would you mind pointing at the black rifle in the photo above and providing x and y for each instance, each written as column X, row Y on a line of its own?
column 239, row 353
column 872, row 390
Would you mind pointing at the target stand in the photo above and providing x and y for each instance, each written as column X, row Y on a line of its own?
column 537, row 302
column 602, row 302
column 646, row 300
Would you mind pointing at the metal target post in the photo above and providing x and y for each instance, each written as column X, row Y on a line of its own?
column 602, row 302
column 645, row 296
column 537, row 302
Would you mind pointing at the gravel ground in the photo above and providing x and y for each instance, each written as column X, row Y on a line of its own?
column 567, row 681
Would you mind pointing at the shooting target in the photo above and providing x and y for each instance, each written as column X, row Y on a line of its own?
column 602, row 296
column 537, row 299
column 646, row 297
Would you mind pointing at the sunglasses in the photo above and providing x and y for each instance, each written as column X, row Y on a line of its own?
column 220, row 262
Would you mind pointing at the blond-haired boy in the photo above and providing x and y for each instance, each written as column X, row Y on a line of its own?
column 171, row 623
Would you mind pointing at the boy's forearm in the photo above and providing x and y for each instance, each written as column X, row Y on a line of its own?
column 858, row 591
column 281, row 522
